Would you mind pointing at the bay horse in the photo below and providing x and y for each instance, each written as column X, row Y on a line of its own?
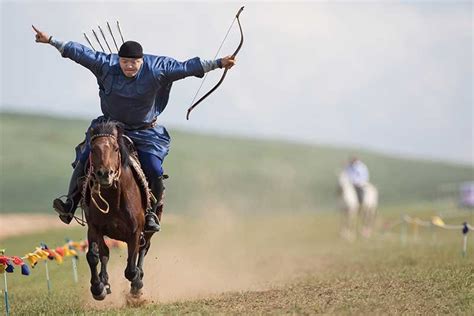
column 114, row 205
column 367, row 210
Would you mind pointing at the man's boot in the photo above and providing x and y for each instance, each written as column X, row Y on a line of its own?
column 152, row 219
column 66, row 209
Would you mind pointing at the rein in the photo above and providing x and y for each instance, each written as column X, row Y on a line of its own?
column 94, row 185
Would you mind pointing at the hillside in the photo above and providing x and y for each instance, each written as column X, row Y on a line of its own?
column 208, row 171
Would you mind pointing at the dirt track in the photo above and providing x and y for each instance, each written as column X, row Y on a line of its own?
column 212, row 254
column 222, row 263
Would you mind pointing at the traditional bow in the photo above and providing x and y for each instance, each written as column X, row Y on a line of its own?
column 225, row 71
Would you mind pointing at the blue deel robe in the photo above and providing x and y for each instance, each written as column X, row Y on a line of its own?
column 133, row 101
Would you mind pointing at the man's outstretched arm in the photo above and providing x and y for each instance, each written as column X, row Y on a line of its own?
column 74, row 51
column 176, row 70
column 42, row 37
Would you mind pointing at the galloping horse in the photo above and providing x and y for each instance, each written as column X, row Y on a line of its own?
column 114, row 201
column 352, row 208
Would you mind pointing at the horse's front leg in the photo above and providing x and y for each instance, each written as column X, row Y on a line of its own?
column 104, row 259
column 142, row 253
column 368, row 222
column 97, row 287
column 351, row 224
column 131, row 272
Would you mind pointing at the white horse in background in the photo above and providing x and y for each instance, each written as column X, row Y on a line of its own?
column 352, row 208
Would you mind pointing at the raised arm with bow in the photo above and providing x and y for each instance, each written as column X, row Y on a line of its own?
column 225, row 71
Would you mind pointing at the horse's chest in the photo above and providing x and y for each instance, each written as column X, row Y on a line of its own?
column 116, row 227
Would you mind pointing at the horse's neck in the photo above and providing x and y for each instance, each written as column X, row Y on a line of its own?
column 128, row 184
column 345, row 184
column 126, row 179
column 344, row 180
column 349, row 194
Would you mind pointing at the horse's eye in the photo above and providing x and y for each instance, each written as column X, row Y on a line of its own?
column 116, row 149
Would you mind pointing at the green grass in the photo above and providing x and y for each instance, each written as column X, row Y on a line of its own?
column 207, row 171
column 247, row 238
column 29, row 294
column 297, row 265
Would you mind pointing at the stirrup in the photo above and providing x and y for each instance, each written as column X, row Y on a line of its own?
column 66, row 219
column 156, row 222
column 150, row 213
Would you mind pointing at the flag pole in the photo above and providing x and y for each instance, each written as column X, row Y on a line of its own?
column 7, row 305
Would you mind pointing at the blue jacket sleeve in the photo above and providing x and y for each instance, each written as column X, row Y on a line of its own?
column 94, row 61
column 174, row 70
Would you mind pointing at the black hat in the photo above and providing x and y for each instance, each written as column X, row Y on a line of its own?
column 131, row 49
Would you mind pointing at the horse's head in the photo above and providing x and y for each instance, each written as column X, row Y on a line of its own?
column 107, row 152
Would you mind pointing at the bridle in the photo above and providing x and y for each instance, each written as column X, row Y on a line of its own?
column 93, row 184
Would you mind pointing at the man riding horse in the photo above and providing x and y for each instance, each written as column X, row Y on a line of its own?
column 358, row 175
column 134, row 89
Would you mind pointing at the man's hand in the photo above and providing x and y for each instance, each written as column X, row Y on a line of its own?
column 41, row 37
column 228, row 62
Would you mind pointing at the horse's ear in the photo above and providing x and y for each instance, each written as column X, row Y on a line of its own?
column 120, row 128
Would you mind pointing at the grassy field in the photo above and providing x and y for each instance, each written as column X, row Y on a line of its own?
column 242, row 232
column 221, row 262
column 207, row 171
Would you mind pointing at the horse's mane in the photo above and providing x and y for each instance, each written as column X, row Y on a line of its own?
column 109, row 127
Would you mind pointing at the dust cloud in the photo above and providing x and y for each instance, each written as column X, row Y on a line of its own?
column 212, row 253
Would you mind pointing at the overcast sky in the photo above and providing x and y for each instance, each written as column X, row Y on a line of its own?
column 394, row 77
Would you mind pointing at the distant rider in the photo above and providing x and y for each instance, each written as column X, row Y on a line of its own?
column 358, row 175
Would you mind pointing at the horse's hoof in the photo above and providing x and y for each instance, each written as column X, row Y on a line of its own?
column 137, row 284
column 99, row 297
column 136, row 292
column 102, row 295
column 107, row 288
